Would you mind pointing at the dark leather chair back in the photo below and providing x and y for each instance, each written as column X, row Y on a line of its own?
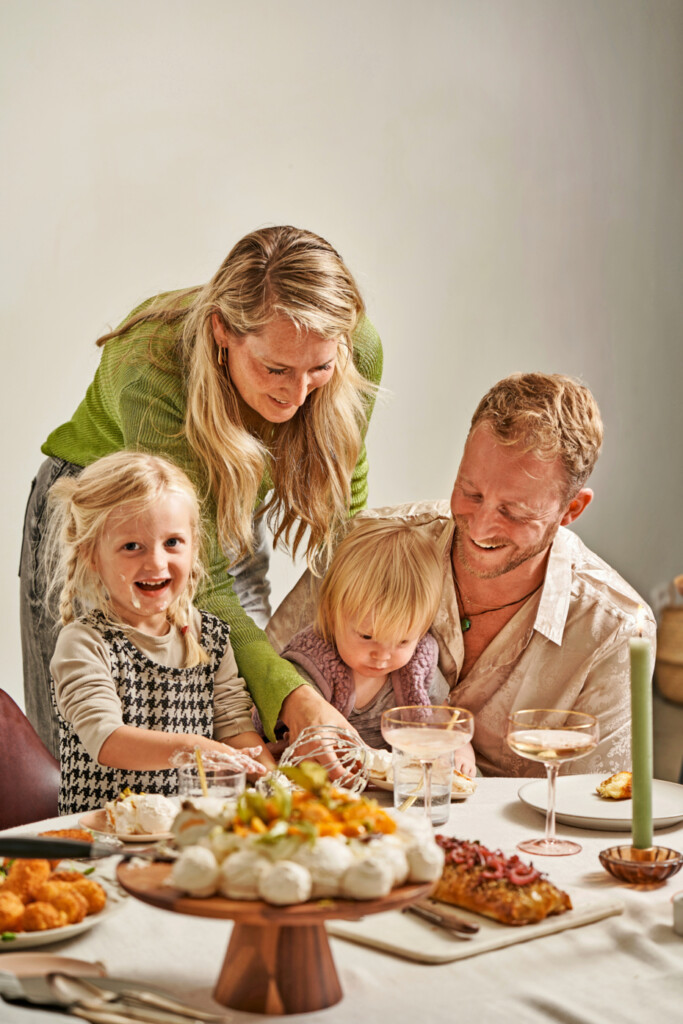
column 29, row 774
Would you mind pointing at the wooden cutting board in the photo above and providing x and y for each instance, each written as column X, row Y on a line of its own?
column 408, row 936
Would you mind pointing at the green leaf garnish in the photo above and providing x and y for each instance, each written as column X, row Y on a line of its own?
column 274, row 834
column 251, row 805
column 309, row 775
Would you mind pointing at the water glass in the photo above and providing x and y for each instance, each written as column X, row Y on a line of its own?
column 221, row 783
column 409, row 785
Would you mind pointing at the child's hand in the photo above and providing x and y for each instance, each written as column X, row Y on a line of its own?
column 244, row 760
column 464, row 762
column 246, row 743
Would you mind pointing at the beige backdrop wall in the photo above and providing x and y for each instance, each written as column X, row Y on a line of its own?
column 503, row 176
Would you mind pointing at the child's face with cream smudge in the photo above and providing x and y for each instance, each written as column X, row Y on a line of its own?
column 144, row 560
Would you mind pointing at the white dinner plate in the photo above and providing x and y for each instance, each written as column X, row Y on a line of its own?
column 577, row 803
column 97, row 822
column 381, row 783
column 28, row 940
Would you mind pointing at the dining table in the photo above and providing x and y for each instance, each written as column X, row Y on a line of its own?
column 625, row 966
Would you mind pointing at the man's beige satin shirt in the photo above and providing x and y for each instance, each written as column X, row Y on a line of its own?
column 567, row 647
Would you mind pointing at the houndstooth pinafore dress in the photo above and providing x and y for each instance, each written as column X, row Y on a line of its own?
column 153, row 696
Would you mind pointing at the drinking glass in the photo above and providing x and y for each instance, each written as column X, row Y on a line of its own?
column 551, row 736
column 425, row 732
column 409, row 785
column 221, row 783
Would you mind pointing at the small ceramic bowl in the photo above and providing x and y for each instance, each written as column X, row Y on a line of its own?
column 641, row 867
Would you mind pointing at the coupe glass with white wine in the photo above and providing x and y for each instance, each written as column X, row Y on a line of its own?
column 425, row 732
column 551, row 736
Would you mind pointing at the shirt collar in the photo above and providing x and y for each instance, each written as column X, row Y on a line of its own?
column 553, row 607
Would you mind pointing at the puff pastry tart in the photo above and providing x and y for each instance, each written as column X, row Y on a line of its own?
column 617, row 787
column 489, row 883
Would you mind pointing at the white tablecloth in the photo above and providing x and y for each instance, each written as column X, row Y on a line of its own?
column 627, row 968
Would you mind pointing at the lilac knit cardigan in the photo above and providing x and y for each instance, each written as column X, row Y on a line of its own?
column 335, row 679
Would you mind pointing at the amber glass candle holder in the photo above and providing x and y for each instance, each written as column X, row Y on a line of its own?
column 641, row 867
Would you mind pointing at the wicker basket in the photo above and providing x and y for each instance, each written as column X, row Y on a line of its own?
column 669, row 663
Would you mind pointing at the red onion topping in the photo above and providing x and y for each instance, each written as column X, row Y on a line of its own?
column 495, row 864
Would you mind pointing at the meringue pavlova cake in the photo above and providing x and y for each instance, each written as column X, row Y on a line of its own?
column 140, row 814
column 314, row 841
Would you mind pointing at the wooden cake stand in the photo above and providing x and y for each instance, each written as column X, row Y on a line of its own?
column 279, row 958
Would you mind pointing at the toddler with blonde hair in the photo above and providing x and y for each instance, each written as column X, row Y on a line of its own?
column 369, row 648
column 138, row 672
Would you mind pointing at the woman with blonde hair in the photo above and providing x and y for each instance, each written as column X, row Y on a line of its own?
column 259, row 385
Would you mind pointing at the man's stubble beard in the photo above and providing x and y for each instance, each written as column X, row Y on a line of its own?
column 515, row 561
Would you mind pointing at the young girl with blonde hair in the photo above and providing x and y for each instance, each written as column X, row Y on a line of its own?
column 138, row 672
column 260, row 386
column 369, row 648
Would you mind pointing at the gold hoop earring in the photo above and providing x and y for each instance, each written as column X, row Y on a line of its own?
column 220, row 355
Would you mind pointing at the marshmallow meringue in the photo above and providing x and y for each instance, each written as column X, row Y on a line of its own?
column 368, row 879
column 195, row 872
column 240, row 875
column 393, row 851
column 327, row 859
column 286, row 882
column 425, row 861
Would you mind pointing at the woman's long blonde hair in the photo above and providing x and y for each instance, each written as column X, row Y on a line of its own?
column 271, row 273
column 128, row 482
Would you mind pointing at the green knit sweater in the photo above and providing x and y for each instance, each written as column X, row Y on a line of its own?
column 137, row 401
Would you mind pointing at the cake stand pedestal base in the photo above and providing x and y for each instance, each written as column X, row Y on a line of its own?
column 278, row 969
column 279, row 958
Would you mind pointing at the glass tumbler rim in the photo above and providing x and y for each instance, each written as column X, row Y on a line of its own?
column 189, row 779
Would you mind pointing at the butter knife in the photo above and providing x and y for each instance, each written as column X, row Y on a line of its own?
column 450, row 922
column 49, row 848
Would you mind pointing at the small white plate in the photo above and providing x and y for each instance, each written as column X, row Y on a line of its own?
column 28, row 940
column 97, row 821
column 577, row 803
column 27, row 965
column 380, row 782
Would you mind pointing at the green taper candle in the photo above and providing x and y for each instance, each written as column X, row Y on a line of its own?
column 641, row 742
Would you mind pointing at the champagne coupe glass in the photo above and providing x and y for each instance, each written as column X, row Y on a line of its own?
column 425, row 732
column 551, row 736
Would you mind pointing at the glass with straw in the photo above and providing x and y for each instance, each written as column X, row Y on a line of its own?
column 425, row 733
column 206, row 775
